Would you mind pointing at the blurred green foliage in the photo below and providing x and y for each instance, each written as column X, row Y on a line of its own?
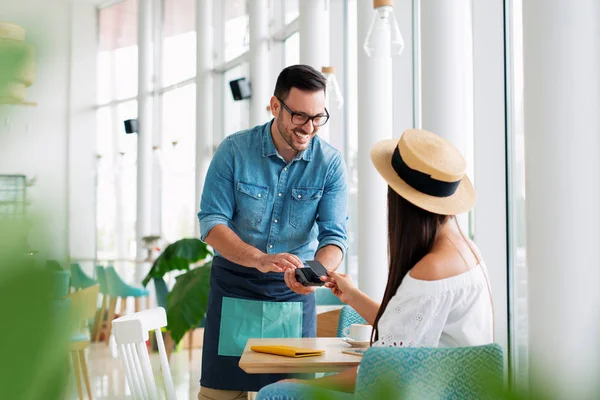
column 34, row 327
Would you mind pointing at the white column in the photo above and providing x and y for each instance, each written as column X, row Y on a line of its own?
column 220, row 87
column 314, row 40
column 276, row 53
column 314, row 33
column 144, row 148
column 157, row 187
column 445, row 53
column 374, row 124
column 562, row 124
column 204, row 96
column 447, row 73
column 259, row 61
column 335, row 128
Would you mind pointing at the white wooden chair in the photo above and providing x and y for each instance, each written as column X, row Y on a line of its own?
column 131, row 334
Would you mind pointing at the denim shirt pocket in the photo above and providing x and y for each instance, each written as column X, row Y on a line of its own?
column 251, row 202
column 303, row 210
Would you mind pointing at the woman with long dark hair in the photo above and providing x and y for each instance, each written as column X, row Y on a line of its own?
column 437, row 292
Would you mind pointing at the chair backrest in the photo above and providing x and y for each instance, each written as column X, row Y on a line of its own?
column 348, row 316
column 431, row 373
column 116, row 286
column 101, row 277
column 61, row 283
column 131, row 334
column 162, row 291
column 83, row 302
column 79, row 279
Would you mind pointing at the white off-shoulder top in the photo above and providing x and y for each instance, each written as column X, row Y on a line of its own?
column 451, row 312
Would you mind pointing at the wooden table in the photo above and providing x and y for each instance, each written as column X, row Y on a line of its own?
column 333, row 360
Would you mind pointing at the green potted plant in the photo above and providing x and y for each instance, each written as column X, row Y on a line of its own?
column 187, row 302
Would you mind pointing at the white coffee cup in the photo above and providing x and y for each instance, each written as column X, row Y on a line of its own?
column 358, row 332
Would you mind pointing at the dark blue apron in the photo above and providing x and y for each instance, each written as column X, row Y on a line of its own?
column 246, row 303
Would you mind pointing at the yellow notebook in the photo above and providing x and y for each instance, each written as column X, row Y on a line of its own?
column 287, row 351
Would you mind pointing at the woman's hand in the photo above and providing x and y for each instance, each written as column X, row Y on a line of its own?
column 342, row 286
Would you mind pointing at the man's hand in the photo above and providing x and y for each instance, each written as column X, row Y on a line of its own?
column 292, row 283
column 278, row 263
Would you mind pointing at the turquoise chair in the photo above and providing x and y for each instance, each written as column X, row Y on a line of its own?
column 79, row 280
column 348, row 316
column 414, row 373
column 117, row 289
column 432, row 373
column 61, row 283
column 101, row 277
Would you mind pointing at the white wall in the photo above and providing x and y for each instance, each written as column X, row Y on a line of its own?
column 82, row 134
column 562, row 99
column 35, row 141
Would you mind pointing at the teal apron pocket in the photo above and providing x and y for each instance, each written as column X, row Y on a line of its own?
column 243, row 319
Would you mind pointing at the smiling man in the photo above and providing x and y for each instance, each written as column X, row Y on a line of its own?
column 274, row 196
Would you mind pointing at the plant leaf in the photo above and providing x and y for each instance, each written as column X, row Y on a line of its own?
column 188, row 301
column 178, row 256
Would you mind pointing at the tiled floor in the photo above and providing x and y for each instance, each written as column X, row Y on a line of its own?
column 107, row 377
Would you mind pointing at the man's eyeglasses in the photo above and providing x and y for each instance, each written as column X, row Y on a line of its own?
column 301, row 118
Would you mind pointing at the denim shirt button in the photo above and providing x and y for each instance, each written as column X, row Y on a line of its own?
column 285, row 169
column 299, row 196
column 279, row 194
column 275, row 221
column 270, row 246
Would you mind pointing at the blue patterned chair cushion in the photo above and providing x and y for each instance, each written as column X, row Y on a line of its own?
column 426, row 373
column 295, row 391
column 348, row 316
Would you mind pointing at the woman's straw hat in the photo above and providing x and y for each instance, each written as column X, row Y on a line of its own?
column 426, row 170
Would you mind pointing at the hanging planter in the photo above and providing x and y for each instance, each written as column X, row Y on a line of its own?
column 17, row 64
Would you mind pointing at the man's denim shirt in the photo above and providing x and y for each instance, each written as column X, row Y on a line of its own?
column 277, row 207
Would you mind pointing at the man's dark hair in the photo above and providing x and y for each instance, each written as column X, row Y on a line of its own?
column 303, row 77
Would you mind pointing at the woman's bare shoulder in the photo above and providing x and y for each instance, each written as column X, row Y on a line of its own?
column 441, row 263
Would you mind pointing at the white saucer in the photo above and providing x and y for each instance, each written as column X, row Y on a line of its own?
column 354, row 343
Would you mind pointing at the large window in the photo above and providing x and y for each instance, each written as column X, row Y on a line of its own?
column 177, row 131
column 177, row 160
column 290, row 10
column 291, row 48
column 237, row 34
column 117, row 151
column 179, row 41
column 237, row 113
